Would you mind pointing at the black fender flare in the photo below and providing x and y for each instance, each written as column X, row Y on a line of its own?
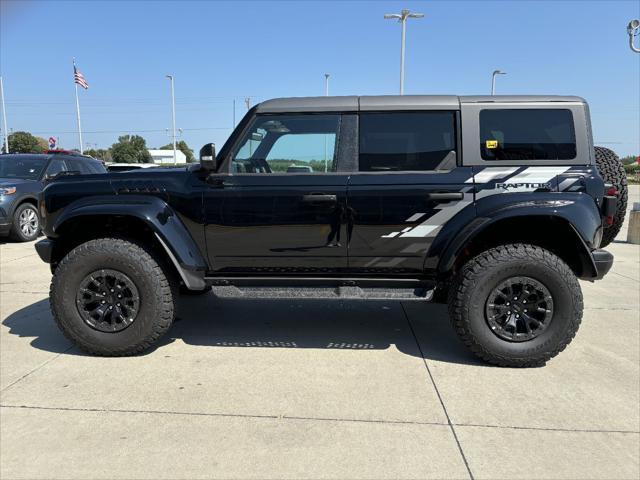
column 159, row 217
column 579, row 212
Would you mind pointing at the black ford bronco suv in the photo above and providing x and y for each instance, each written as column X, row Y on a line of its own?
column 492, row 204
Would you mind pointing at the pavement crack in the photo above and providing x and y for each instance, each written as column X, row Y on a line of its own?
column 547, row 429
column 35, row 369
column 444, row 408
column 219, row 414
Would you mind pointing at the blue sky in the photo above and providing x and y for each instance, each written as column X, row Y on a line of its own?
column 219, row 51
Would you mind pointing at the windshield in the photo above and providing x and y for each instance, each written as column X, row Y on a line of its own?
column 18, row 166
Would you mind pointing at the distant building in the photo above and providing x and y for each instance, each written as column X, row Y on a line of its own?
column 166, row 156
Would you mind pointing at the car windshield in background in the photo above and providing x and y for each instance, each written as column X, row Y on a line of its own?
column 18, row 166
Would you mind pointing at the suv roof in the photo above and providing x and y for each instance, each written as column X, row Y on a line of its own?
column 52, row 153
column 397, row 102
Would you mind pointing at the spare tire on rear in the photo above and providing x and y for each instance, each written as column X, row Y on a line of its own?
column 612, row 171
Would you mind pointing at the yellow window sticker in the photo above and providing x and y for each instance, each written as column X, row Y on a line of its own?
column 491, row 143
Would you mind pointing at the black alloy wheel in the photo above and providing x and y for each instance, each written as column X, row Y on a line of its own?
column 108, row 300
column 519, row 309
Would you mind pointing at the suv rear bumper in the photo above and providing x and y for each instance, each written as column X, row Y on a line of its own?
column 603, row 261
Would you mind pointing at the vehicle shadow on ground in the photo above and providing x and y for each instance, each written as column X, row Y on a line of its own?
column 209, row 321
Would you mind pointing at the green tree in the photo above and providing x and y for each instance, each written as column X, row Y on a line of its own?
column 629, row 159
column 24, row 142
column 130, row 149
column 183, row 147
column 100, row 153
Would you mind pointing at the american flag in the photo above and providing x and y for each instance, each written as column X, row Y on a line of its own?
column 79, row 79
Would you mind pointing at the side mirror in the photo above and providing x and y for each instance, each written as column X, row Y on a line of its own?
column 208, row 157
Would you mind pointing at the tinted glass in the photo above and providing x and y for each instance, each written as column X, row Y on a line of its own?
column 21, row 166
column 407, row 141
column 56, row 166
column 85, row 166
column 288, row 144
column 527, row 134
column 78, row 165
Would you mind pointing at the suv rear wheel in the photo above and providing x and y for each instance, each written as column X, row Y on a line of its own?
column 516, row 305
column 111, row 297
column 26, row 223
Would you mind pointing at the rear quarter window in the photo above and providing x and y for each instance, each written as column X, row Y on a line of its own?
column 527, row 134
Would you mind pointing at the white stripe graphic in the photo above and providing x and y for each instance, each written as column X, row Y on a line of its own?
column 414, row 217
column 491, row 173
column 538, row 174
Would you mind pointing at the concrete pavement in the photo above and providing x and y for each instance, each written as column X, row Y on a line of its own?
column 309, row 389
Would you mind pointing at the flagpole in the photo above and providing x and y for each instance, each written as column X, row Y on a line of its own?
column 77, row 107
column 4, row 118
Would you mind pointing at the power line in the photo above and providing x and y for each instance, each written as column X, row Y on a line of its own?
column 131, row 131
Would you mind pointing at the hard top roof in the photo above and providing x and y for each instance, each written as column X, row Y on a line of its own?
column 396, row 102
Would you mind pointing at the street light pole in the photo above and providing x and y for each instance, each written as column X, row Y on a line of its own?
column 493, row 80
column 326, row 94
column 173, row 114
column 402, row 18
column 633, row 30
column 4, row 119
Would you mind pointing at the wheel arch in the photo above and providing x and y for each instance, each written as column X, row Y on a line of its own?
column 552, row 232
column 25, row 199
column 150, row 221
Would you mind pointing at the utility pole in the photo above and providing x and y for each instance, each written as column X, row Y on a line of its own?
column 4, row 118
column 247, row 102
column 326, row 84
column 402, row 19
column 493, row 80
column 234, row 113
column 173, row 114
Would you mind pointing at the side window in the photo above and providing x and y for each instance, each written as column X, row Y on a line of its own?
column 407, row 141
column 78, row 165
column 527, row 134
column 55, row 166
column 288, row 144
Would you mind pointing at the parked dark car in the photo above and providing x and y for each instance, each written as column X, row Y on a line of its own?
column 22, row 178
column 496, row 205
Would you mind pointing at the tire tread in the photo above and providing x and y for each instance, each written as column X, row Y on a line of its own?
column 144, row 259
column 503, row 254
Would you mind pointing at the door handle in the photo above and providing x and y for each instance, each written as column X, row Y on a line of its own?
column 319, row 198
column 445, row 196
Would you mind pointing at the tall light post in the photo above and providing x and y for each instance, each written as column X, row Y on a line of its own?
column 173, row 114
column 326, row 94
column 4, row 119
column 402, row 18
column 633, row 30
column 493, row 80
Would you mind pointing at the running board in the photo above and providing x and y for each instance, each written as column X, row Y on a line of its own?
column 339, row 292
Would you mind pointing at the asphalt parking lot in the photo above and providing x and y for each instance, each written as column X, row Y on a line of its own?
column 309, row 389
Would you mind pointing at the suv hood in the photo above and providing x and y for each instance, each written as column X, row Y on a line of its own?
column 8, row 182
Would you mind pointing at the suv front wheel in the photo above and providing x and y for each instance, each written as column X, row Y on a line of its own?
column 26, row 223
column 111, row 297
column 516, row 305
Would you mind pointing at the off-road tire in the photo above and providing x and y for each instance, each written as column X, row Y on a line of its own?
column 472, row 286
column 16, row 232
column 153, row 282
column 612, row 171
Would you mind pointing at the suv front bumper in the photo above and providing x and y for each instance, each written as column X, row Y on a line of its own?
column 603, row 261
column 45, row 249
